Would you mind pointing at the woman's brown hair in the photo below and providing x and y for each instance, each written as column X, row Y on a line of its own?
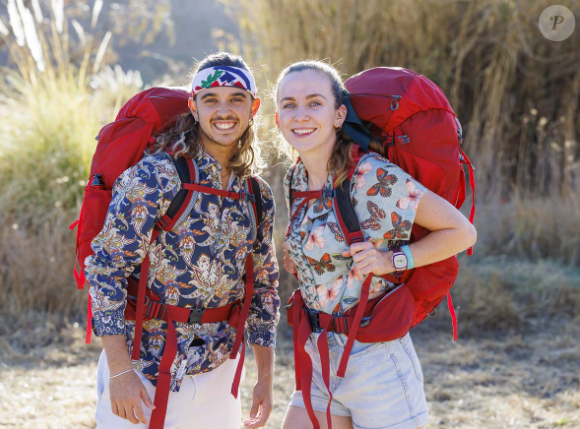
column 183, row 138
column 341, row 158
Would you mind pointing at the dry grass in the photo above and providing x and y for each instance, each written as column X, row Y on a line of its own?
column 485, row 382
column 515, row 92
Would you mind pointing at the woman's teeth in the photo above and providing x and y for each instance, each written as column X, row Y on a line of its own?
column 225, row 125
column 304, row 131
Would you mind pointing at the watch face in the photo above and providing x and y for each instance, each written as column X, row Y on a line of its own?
column 400, row 261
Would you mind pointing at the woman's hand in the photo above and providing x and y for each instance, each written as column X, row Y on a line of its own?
column 288, row 264
column 368, row 259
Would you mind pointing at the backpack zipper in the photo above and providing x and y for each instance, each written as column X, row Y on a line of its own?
column 394, row 101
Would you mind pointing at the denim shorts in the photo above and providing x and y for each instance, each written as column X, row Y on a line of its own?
column 382, row 387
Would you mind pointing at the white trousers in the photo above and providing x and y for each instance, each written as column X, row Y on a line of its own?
column 203, row 401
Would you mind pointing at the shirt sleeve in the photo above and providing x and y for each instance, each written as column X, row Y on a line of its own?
column 140, row 195
column 265, row 307
column 386, row 199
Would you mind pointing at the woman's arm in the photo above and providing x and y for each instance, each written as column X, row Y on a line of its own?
column 451, row 233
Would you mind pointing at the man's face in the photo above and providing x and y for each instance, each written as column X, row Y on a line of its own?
column 223, row 114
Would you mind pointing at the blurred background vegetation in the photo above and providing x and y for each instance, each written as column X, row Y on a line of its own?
column 515, row 92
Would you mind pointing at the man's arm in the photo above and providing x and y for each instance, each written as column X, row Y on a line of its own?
column 126, row 390
column 262, row 395
column 122, row 245
column 264, row 312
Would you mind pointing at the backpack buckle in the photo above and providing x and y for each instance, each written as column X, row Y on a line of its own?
column 314, row 320
column 196, row 315
column 340, row 325
column 154, row 309
column 328, row 193
column 248, row 197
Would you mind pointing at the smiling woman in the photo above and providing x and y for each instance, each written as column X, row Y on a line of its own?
column 335, row 276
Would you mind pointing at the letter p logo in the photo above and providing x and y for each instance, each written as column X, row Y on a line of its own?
column 557, row 23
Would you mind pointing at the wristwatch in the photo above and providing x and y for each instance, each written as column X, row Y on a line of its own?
column 400, row 262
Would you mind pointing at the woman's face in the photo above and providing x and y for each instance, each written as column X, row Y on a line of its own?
column 306, row 113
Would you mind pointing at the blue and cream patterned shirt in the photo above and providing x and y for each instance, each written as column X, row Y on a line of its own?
column 200, row 263
column 385, row 200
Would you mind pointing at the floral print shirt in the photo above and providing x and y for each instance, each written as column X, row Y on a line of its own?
column 385, row 199
column 200, row 263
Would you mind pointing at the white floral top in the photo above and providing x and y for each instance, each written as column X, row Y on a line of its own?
column 385, row 199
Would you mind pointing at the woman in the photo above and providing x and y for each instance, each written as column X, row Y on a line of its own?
column 310, row 114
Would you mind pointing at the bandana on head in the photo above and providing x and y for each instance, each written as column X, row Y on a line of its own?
column 214, row 77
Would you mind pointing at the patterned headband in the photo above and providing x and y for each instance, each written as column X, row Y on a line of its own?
column 214, row 77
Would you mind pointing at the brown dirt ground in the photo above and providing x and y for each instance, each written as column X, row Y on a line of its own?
column 492, row 380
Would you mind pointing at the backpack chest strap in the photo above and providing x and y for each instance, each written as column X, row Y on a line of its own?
column 244, row 196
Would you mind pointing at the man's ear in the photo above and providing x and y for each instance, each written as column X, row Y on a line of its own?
column 193, row 108
column 255, row 107
column 277, row 121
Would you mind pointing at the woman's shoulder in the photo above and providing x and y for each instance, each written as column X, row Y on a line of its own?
column 375, row 168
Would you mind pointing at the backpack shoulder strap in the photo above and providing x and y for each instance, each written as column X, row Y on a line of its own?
column 258, row 197
column 346, row 215
column 255, row 204
column 184, row 199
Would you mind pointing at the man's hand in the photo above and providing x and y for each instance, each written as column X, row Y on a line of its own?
column 368, row 259
column 127, row 392
column 262, row 395
column 261, row 404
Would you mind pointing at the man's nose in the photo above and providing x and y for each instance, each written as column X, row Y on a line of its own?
column 224, row 109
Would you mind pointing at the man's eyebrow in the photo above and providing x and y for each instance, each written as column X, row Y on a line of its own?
column 239, row 94
column 208, row 94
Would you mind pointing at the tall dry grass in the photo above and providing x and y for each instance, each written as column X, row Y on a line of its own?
column 515, row 92
column 55, row 95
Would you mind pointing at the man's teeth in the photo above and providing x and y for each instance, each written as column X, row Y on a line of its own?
column 225, row 125
column 304, row 131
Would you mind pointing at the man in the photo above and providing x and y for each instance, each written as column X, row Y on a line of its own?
column 199, row 264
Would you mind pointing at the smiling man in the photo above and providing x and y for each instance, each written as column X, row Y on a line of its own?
column 200, row 265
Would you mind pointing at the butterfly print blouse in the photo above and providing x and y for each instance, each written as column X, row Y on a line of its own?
column 200, row 263
column 385, row 200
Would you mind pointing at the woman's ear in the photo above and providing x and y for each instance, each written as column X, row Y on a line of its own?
column 277, row 121
column 340, row 116
column 193, row 108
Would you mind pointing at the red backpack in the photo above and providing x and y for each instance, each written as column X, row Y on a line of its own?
column 121, row 144
column 418, row 126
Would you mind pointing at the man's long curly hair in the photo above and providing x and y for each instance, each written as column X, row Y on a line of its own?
column 184, row 138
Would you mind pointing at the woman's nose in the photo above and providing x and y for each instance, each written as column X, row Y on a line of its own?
column 301, row 114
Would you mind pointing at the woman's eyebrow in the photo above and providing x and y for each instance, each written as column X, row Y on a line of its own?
column 307, row 97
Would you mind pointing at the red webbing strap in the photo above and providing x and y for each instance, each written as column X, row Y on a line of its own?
column 325, row 365
column 453, row 316
column 307, row 195
column 89, row 322
column 472, row 184
column 297, row 310
column 364, row 297
column 79, row 277
column 304, row 331
column 164, row 377
column 242, row 323
column 140, row 310
column 214, row 191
